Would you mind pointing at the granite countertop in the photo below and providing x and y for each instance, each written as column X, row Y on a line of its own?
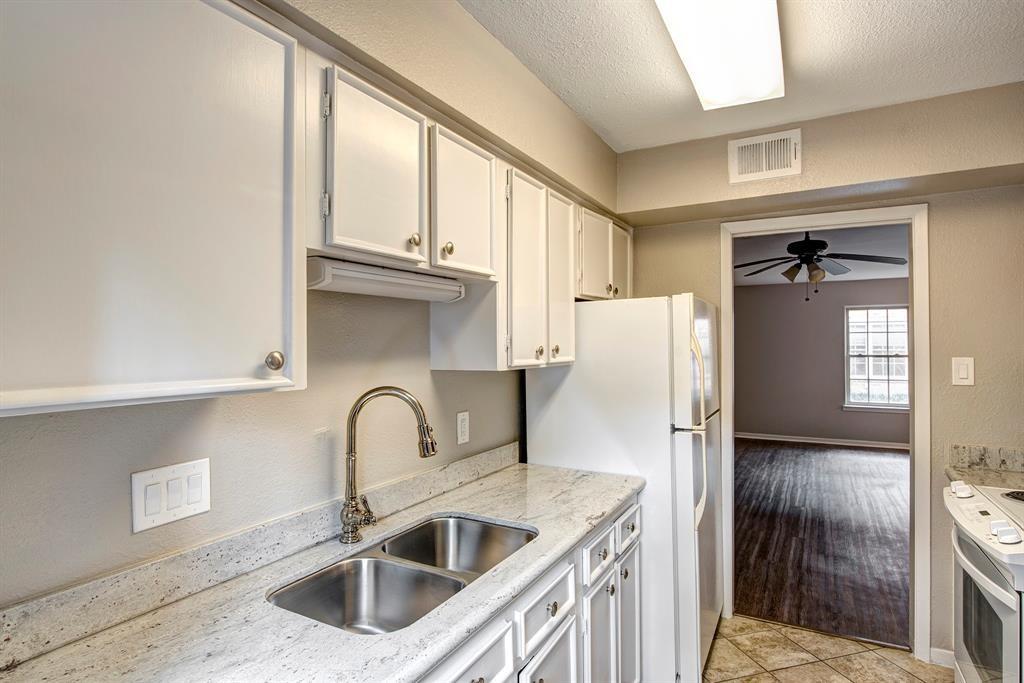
column 980, row 476
column 231, row 633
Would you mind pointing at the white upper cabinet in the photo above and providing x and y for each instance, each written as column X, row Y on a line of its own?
column 561, row 279
column 622, row 262
column 595, row 264
column 528, row 301
column 150, row 246
column 462, row 204
column 376, row 202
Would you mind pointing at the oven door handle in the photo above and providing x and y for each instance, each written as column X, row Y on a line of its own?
column 990, row 586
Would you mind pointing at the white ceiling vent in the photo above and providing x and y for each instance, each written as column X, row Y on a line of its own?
column 764, row 156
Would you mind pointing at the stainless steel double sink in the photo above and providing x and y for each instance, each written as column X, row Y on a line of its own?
column 400, row 580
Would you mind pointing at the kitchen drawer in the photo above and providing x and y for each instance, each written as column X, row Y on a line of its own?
column 544, row 607
column 627, row 529
column 556, row 663
column 598, row 555
column 487, row 657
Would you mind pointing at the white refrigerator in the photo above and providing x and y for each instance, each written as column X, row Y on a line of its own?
column 642, row 398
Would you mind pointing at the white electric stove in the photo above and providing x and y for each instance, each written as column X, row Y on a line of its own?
column 988, row 579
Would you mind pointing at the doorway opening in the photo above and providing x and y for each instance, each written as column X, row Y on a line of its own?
column 824, row 377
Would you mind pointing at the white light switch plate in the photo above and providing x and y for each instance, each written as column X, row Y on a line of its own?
column 963, row 371
column 462, row 427
column 170, row 493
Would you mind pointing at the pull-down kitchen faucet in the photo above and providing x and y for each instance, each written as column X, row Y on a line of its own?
column 355, row 515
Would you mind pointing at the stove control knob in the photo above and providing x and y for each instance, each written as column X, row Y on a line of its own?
column 962, row 490
column 996, row 524
column 1008, row 536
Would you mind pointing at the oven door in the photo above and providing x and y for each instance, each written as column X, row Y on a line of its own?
column 986, row 623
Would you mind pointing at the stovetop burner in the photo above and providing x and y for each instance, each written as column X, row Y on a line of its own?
column 1015, row 495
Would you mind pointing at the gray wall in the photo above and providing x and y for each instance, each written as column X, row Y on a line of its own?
column 789, row 361
column 65, row 504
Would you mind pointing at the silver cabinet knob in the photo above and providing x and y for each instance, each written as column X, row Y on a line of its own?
column 625, row 573
column 609, row 288
column 479, row 680
column 274, row 360
column 631, row 526
column 553, row 608
column 611, row 590
column 415, row 240
column 555, row 350
column 604, row 554
column 540, row 351
column 615, row 291
column 449, row 248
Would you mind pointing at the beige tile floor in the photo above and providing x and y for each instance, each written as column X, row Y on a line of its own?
column 752, row 651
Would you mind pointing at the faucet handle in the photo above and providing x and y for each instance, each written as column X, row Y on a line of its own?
column 368, row 516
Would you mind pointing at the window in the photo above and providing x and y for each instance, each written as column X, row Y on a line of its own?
column 877, row 357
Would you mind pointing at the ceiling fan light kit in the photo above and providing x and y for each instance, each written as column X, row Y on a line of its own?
column 811, row 253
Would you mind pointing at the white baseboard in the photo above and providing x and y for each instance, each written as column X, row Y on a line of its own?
column 942, row 657
column 894, row 445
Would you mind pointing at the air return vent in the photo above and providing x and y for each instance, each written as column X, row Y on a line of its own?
column 764, row 156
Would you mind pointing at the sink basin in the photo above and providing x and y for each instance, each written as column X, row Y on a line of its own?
column 367, row 594
column 458, row 544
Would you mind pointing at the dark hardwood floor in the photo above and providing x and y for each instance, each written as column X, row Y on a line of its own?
column 823, row 538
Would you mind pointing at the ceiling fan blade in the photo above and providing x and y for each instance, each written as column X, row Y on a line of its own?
column 873, row 259
column 755, row 263
column 761, row 270
column 791, row 272
column 833, row 267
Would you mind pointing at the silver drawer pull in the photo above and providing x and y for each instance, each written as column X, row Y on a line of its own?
column 625, row 573
column 555, row 350
column 415, row 241
column 553, row 608
column 604, row 554
column 274, row 360
column 540, row 352
column 611, row 590
column 449, row 248
column 631, row 526
column 479, row 680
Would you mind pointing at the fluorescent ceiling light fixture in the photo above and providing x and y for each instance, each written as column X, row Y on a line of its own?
column 730, row 48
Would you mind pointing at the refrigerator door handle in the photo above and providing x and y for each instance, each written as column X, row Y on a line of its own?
column 698, row 512
column 695, row 350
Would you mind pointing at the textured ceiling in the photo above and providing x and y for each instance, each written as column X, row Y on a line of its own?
column 880, row 240
column 612, row 61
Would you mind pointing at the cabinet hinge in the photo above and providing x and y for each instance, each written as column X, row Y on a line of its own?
column 508, row 191
column 325, row 105
column 508, row 343
column 325, row 204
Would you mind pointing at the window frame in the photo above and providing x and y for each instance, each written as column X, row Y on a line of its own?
column 848, row 404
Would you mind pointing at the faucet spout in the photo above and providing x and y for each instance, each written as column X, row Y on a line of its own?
column 353, row 514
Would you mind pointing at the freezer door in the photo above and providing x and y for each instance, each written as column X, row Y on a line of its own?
column 695, row 361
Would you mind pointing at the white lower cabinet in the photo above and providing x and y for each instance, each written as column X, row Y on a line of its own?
column 600, row 635
column 547, row 635
column 628, row 596
column 556, row 663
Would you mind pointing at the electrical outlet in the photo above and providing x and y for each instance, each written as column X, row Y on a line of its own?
column 462, row 427
column 167, row 494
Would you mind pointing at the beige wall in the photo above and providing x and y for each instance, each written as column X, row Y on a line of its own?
column 441, row 48
column 956, row 141
column 790, row 379
column 65, row 504
column 976, row 248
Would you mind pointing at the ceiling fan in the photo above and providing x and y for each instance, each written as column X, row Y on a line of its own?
column 811, row 253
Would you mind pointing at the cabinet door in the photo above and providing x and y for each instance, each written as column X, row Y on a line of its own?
column 561, row 288
column 595, row 256
column 462, row 204
column 527, row 271
column 376, row 172
column 600, row 638
column 150, row 240
column 628, row 569
column 622, row 256
column 556, row 662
